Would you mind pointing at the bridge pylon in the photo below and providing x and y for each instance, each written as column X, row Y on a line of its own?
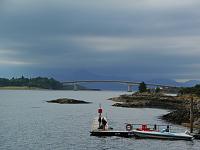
column 75, row 87
column 129, row 88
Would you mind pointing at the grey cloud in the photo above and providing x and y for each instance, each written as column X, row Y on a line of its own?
column 153, row 38
column 83, row 20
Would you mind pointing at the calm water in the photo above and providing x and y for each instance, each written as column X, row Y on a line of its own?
column 27, row 122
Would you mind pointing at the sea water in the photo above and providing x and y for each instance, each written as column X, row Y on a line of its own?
column 28, row 122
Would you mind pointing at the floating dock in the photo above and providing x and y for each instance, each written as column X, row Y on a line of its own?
column 112, row 133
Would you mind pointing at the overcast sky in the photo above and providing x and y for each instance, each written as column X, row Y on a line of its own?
column 133, row 39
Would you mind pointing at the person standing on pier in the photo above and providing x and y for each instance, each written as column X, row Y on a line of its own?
column 104, row 122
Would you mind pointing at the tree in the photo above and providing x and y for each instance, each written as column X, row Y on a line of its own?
column 142, row 87
column 157, row 90
column 190, row 90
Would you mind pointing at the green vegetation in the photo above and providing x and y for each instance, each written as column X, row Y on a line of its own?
column 142, row 87
column 157, row 90
column 34, row 83
column 39, row 82
column 191, row 90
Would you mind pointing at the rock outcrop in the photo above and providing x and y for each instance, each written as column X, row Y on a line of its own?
column 68, row 101
column 179, row 105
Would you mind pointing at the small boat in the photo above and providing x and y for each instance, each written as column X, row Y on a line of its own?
column 162, row 135
column 145, row 132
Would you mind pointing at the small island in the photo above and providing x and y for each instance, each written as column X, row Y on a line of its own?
column 68, row 101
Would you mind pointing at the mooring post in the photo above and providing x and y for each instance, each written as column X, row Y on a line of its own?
column 191, row 114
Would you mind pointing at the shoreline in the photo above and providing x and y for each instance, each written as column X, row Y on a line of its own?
column 178, row 106
column 37, row 88
column 20, row 88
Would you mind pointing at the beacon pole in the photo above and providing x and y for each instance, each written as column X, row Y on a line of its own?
column 100, row 114
column 191, row 114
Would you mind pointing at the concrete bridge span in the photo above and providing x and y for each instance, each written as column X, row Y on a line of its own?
column 129, row 83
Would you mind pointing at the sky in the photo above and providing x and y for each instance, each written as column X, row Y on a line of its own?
column 122, row 39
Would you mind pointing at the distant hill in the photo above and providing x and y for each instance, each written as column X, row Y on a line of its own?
column 50, row 83
column 189, row 83
column 163, row 81
column 122, row 87
column 87, row 75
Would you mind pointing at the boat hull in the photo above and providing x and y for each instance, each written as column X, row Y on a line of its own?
column 164, row 135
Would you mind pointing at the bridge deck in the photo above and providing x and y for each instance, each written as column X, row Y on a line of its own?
column 116, row 81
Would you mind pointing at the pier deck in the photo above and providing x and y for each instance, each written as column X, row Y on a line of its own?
column 112, row 133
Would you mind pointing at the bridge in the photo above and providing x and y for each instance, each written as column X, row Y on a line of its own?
column 129, row 83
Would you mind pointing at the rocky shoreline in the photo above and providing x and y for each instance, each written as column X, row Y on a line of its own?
column 68, row 101
column 179, row 106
